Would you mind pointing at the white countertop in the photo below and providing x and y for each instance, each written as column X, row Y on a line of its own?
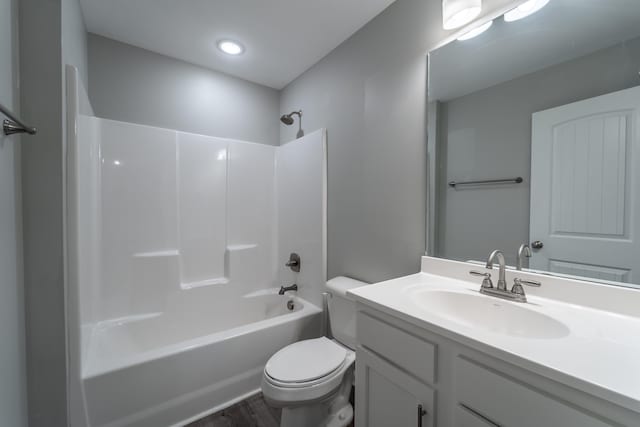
column 600, row 354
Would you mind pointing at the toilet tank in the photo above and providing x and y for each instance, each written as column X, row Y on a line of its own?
column 342, row 310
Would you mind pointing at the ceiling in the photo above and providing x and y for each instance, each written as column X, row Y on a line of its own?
column 563, row 30
column 283, row 38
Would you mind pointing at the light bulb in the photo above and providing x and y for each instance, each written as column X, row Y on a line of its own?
column 230, row 47
column 456, row 13
column 525, row 9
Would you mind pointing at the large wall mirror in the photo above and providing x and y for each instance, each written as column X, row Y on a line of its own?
column 534, row 138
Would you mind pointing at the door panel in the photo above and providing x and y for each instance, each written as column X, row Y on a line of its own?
column 584, row 206
column 589, row 175
column 593, row 271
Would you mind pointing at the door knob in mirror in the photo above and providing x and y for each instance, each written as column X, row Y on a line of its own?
column 537, row 244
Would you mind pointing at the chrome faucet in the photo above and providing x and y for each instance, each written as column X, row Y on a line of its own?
column 284, row 289
column 500, row 291
column 502, row 283
column 524, row 250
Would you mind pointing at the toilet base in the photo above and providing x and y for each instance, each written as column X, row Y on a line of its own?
column 316, row 416
column 333, row 412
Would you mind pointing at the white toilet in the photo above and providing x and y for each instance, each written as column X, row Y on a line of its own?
column 311, row 380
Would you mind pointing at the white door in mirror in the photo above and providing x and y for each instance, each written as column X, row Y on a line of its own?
column 584, row 185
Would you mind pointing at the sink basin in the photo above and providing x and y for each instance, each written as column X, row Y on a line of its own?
column 491, row 314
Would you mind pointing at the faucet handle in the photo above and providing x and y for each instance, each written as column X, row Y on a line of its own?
column 294, row 262
column 480, row 273
column 517, row 288
column 486, row 282
column 533, row 283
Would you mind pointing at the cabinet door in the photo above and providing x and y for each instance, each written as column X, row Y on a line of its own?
column 387, row 396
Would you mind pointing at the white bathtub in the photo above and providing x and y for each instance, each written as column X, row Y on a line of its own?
column 164, row 369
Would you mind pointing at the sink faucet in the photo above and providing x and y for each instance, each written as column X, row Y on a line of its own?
column 524, row 250
column 500, row 291
column 502, row 283
column 284, row 289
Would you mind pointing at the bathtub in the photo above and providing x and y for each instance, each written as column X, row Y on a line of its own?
column 169, row 368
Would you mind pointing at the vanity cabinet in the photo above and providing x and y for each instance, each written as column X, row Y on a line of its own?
column 401, row 367
column 389, row 396
column 511, row 403
column 395, row 370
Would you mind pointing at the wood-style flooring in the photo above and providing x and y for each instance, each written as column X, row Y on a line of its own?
column 252, row 412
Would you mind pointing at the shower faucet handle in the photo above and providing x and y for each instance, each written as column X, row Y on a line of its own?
column 294, row 262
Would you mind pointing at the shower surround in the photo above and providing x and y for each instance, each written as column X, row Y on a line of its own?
column 177, row 245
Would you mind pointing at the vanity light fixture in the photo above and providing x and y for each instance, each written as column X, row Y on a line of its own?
column 456, row 13
column 525, row 9
column 476, row 31
column 230, row 47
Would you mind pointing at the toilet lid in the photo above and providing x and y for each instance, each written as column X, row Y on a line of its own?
column 306, row 360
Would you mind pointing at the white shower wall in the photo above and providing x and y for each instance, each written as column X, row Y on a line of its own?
column 177, row 211
column 162, row 212
column 302, row 223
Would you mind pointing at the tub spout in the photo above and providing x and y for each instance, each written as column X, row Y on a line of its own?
column 284, row 289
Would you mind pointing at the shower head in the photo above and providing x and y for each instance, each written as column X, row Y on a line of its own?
column 287, row 119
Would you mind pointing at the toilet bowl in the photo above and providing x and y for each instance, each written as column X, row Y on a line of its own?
column 311, row 380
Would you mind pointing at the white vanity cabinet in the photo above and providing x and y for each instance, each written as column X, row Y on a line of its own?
column 395, row 370
column 506, row 401
column 390, row 397
column 402, row 368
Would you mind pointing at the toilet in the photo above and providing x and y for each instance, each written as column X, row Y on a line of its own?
column 311, row 380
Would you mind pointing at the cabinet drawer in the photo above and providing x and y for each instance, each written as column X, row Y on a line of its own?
column 465, row 417
column 510, row 403
column 411, row 353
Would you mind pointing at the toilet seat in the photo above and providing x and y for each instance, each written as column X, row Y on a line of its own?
column 327, row 379
column 302, row 384
column 305, row 362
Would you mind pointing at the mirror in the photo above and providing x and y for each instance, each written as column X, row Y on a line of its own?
column 534, row 138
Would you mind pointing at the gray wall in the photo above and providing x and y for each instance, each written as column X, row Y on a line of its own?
column 135, row 85
column 370, row 93
column 13, row 383
column 74, row 38
column 487, row 134
column 44, row 48
column 43, row 203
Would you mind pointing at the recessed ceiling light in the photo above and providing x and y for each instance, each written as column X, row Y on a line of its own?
column 456, row 13
column 525, row 9
column 230, row 47
column 476, row 31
